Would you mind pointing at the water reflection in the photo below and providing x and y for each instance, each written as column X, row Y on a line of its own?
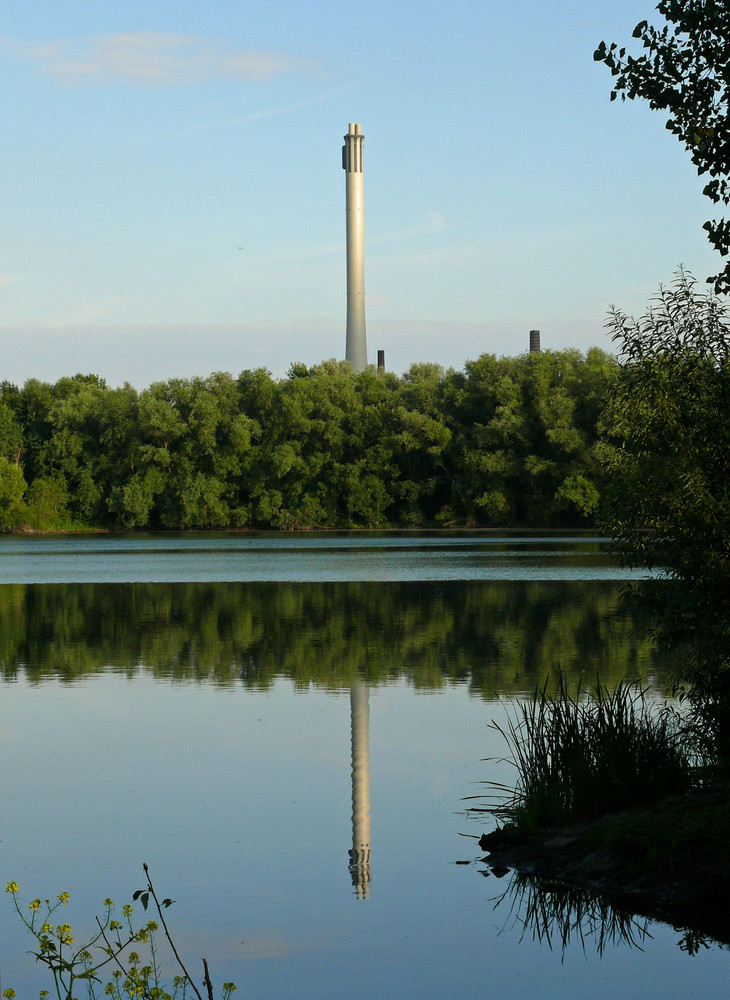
column 553, row 913
column 498, row 637
column 360, row 729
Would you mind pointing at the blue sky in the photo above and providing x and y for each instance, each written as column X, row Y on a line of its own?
column 173, row 199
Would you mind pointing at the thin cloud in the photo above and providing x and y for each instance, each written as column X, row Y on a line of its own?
column 264, row 113
column 153, row 58
column 94, row 311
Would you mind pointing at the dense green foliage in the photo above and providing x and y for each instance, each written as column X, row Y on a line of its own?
column 666, row 448
column 497, row 637
column 685, row 71
column 668, row 493
column 669, row 461
column 506, row 441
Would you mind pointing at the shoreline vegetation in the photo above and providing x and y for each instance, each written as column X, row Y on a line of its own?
column 505, row 441
column 665, row 862
column 616, row 794
column 648, row 785
column 507, row 531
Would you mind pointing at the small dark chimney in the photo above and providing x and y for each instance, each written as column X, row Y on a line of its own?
column 534, row 341
column 381, row 361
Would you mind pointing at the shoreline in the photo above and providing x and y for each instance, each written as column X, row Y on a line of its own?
column 669, row 862
column 391, row 529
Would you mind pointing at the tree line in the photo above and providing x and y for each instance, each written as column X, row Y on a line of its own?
column 506, row 441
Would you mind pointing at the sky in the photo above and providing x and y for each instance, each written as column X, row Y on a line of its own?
column 173, row 201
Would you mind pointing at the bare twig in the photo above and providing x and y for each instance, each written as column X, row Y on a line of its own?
column 113, row 956
column 206, row 981
column 167, row 934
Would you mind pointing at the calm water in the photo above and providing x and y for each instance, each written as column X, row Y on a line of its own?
column 191, row 702
column 304, row 557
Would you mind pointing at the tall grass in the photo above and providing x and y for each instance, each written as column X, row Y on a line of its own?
column 580, row 757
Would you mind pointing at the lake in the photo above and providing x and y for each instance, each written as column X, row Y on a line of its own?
column 287, row 729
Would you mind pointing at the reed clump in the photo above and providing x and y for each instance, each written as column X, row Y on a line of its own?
column 585, row 755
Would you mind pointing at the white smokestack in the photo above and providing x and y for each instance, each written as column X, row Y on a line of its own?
column 356, row 351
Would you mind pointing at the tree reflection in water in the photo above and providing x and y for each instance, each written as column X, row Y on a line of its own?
column 499, row 637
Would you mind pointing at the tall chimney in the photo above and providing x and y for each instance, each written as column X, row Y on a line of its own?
column 534, row 341
column 356, row 343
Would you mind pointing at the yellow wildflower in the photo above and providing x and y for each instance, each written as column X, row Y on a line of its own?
column 11, row 887
column 63, row 932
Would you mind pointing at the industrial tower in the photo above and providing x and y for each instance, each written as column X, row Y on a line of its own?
column 356, row 351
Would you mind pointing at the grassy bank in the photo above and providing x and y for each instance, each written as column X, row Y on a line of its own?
column 579, row 756
column 617, row 792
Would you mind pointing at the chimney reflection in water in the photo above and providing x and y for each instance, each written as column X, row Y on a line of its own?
column 360, row 729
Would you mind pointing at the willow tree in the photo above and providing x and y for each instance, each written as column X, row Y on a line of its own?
column 668, row 455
